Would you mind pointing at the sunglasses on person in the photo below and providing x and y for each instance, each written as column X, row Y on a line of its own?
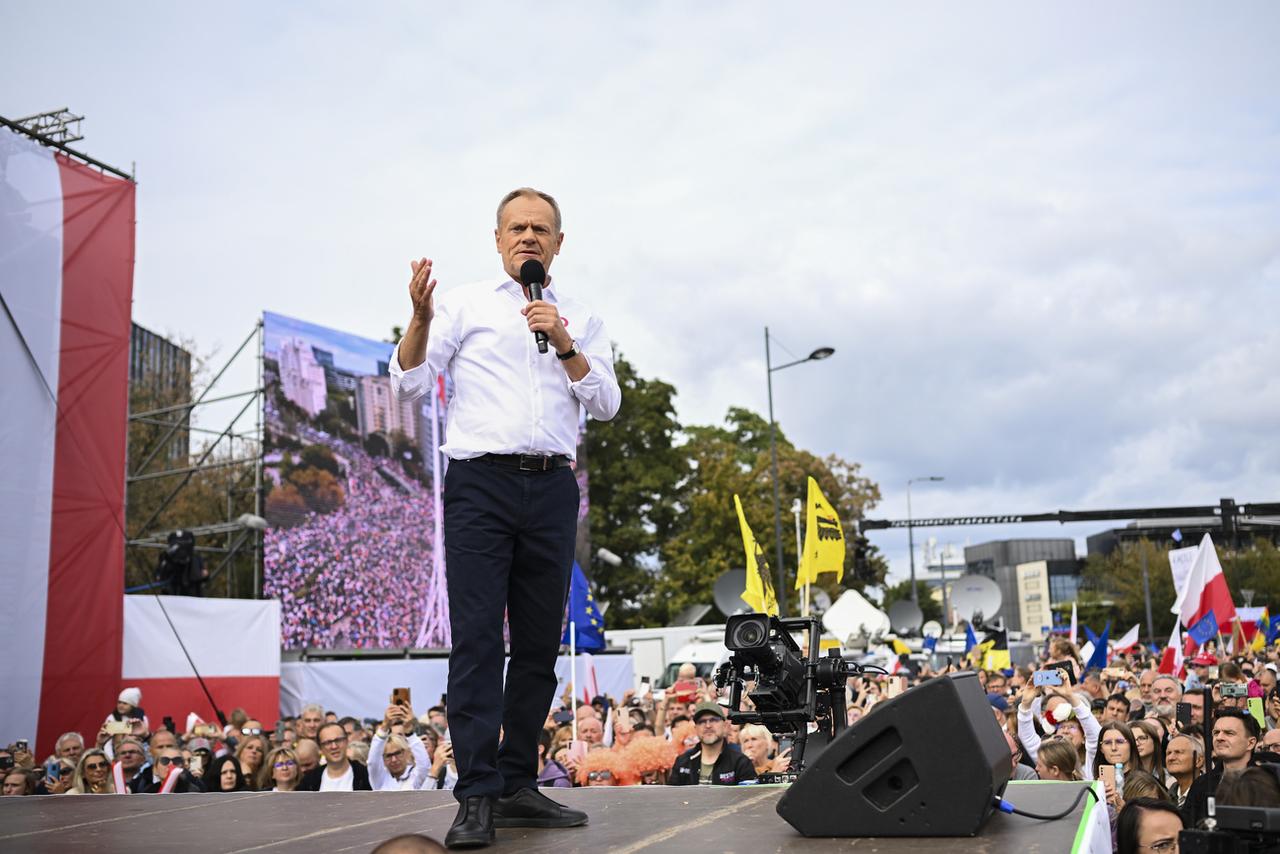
column 95, row 766
column 173, row 760
column 600, row 775
column 285, row 763
column 251, row 730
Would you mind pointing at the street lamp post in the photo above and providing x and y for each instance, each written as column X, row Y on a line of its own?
column 816, row 355
column 911, row 542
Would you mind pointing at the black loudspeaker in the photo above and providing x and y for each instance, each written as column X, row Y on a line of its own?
column 929, row 762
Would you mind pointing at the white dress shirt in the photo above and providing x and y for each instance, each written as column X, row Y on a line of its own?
column 509, row 398
column 380, row 779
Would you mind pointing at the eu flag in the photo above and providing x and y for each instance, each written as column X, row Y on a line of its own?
column 583, row 613
column 1207, row 628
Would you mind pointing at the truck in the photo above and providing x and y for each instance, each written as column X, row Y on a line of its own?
column 659, row 651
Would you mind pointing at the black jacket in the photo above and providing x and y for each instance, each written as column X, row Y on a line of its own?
column 731, row 768
column 186, row 784
column 310, row 781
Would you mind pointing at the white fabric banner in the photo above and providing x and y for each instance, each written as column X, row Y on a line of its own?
column 31, row 281
column 362, row 688
column 225, row 637
column 1180, row 562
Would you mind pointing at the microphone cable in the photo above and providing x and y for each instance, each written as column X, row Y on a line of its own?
column 1004, row 806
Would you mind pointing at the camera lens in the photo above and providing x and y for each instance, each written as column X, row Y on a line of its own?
column 748, row 634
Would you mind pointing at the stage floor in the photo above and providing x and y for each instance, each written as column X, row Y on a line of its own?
column 645, row 818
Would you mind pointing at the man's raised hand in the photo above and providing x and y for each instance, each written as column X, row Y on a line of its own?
column 421, row 287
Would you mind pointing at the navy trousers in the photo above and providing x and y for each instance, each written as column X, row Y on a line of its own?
column 509, row 538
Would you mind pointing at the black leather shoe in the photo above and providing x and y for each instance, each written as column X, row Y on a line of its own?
column 531, row 808
column 473, row 826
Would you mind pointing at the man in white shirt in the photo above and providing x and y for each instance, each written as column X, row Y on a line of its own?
column 338, row 774
column 510, row 501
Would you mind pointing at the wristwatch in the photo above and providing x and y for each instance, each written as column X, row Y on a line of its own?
column 573, row 350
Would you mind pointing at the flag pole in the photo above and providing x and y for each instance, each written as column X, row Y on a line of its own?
column 573, row 671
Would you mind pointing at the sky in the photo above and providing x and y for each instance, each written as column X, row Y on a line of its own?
column 1043, row 239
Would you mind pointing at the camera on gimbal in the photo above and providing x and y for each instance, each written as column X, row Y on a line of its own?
column 790, row 690
column 1236, row 830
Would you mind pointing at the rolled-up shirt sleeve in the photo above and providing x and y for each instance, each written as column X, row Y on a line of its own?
column 442, row 343
column 598, row 391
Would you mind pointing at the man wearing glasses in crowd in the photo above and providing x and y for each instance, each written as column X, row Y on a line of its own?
column 166, row 759
column 339, row 774
column 711, row 762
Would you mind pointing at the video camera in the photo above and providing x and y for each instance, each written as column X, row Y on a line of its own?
column 1236, row 830
column 790, row 690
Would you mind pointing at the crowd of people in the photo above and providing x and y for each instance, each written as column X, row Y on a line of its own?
column 332, row 572
column 1145, row 735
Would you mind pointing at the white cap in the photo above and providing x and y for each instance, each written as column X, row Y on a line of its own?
column 132, row 696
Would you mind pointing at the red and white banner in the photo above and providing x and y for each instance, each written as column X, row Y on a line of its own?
column 66, row 278
column 1206, row 590
column 234, row 643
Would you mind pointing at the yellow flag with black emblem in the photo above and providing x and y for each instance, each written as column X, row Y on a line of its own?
column 823, row 540
column 759, row 593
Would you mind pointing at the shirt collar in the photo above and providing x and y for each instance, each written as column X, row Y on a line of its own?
column 513, row 287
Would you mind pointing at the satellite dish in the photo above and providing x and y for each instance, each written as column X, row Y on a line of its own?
column 931, row 629
column 974, row 595
column 728, row 592
column 905, row 616
column 821, row 600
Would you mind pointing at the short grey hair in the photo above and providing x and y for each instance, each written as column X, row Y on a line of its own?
column 529, row 191
column 1171, row 678
column 313, row 707
column 70, row 736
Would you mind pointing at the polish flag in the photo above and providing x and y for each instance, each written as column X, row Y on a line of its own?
column 1206, row 589
column 590, row 688
column 66, row 278
column 1171, row 661
column 1127, row 642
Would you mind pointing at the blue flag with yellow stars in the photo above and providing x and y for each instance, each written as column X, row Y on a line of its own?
column 584, row 614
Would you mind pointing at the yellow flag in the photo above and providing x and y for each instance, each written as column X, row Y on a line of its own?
column 901, row 648
column 759, row 593
column 823, row 539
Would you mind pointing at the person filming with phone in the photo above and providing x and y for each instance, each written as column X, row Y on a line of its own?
column 397, row 762
column 1066, row 713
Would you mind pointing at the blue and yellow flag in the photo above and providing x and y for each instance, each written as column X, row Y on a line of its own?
column 583, row 613
column 759, row 593
column 823, row 539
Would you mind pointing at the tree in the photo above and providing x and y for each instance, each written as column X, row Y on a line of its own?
column 929, row 607
column 632, row 464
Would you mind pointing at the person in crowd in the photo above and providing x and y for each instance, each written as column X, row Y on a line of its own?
column 164, row 761
column 622, row 730
column 128, row 708
column 1194, row 698
column 650, row 759
column 711, row 761
column 437, row 718
column 339, row 774
column 551, row 774
column 1068, row 714
column 358, row 751
column 1146, row 679
column 1020, row 771
column 397, row 763
column 1184, row 762
column 1269, row 743
column 355, row 732
column 62, row 781
column 1148, row 825
column 1057, row 759
column 1116, row 746
column 443, row 773
column 1142, row 784
column 93, row 774
column 133, row 762
column 1234, row 735
column 591, row 730
column 1149, row 738
column 413, row 843
column 308, row 753
column 160, row 739
column 250, row 753
column 757, row 745
column 1116, row 709
column 603, row 767
column 69, row 747
column 201, row 755
column 1166, row 694
column 311, row 720
column 280, row 771
column 1092, row 685
column 224, row 775
column 19, row 781
column 1252, row 787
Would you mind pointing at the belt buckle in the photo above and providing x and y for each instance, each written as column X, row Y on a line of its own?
column 532, row 462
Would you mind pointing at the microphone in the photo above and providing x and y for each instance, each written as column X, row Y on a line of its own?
column 533, row 274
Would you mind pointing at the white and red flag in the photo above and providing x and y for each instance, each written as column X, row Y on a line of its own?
column 66, row 279
column 1126, row 642
column 1171, row 660
column 1205, row 590
column 590, row 686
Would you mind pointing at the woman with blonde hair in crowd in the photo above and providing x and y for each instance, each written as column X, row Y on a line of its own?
column 93, row 774
column 1057, row 760
column 250, row 754
column 757, row 745
column 280, row 772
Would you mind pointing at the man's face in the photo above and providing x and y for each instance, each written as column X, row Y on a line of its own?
column 590, row 731
column 311, row 721
column 308, row 756
column 130, row 756
column 996, row 684
column 1180, row 757
column 1196, row 702
column 396, row 758
column 1116, row 710
column 675, row 710
column 1267, row 680
column 166, row 759
column 1231, row 740
column 162, row 740
column 1145, row 682
column 71, row 749
column 437, row 720
column 710, row 729
column 527, row 231
column 333, row 741
column 1165, row 695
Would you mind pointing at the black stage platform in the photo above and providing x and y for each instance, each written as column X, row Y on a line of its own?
column 643, row 818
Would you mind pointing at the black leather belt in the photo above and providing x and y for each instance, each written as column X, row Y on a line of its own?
column 525, row 462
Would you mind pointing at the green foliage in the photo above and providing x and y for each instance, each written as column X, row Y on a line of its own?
column 321, row 457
